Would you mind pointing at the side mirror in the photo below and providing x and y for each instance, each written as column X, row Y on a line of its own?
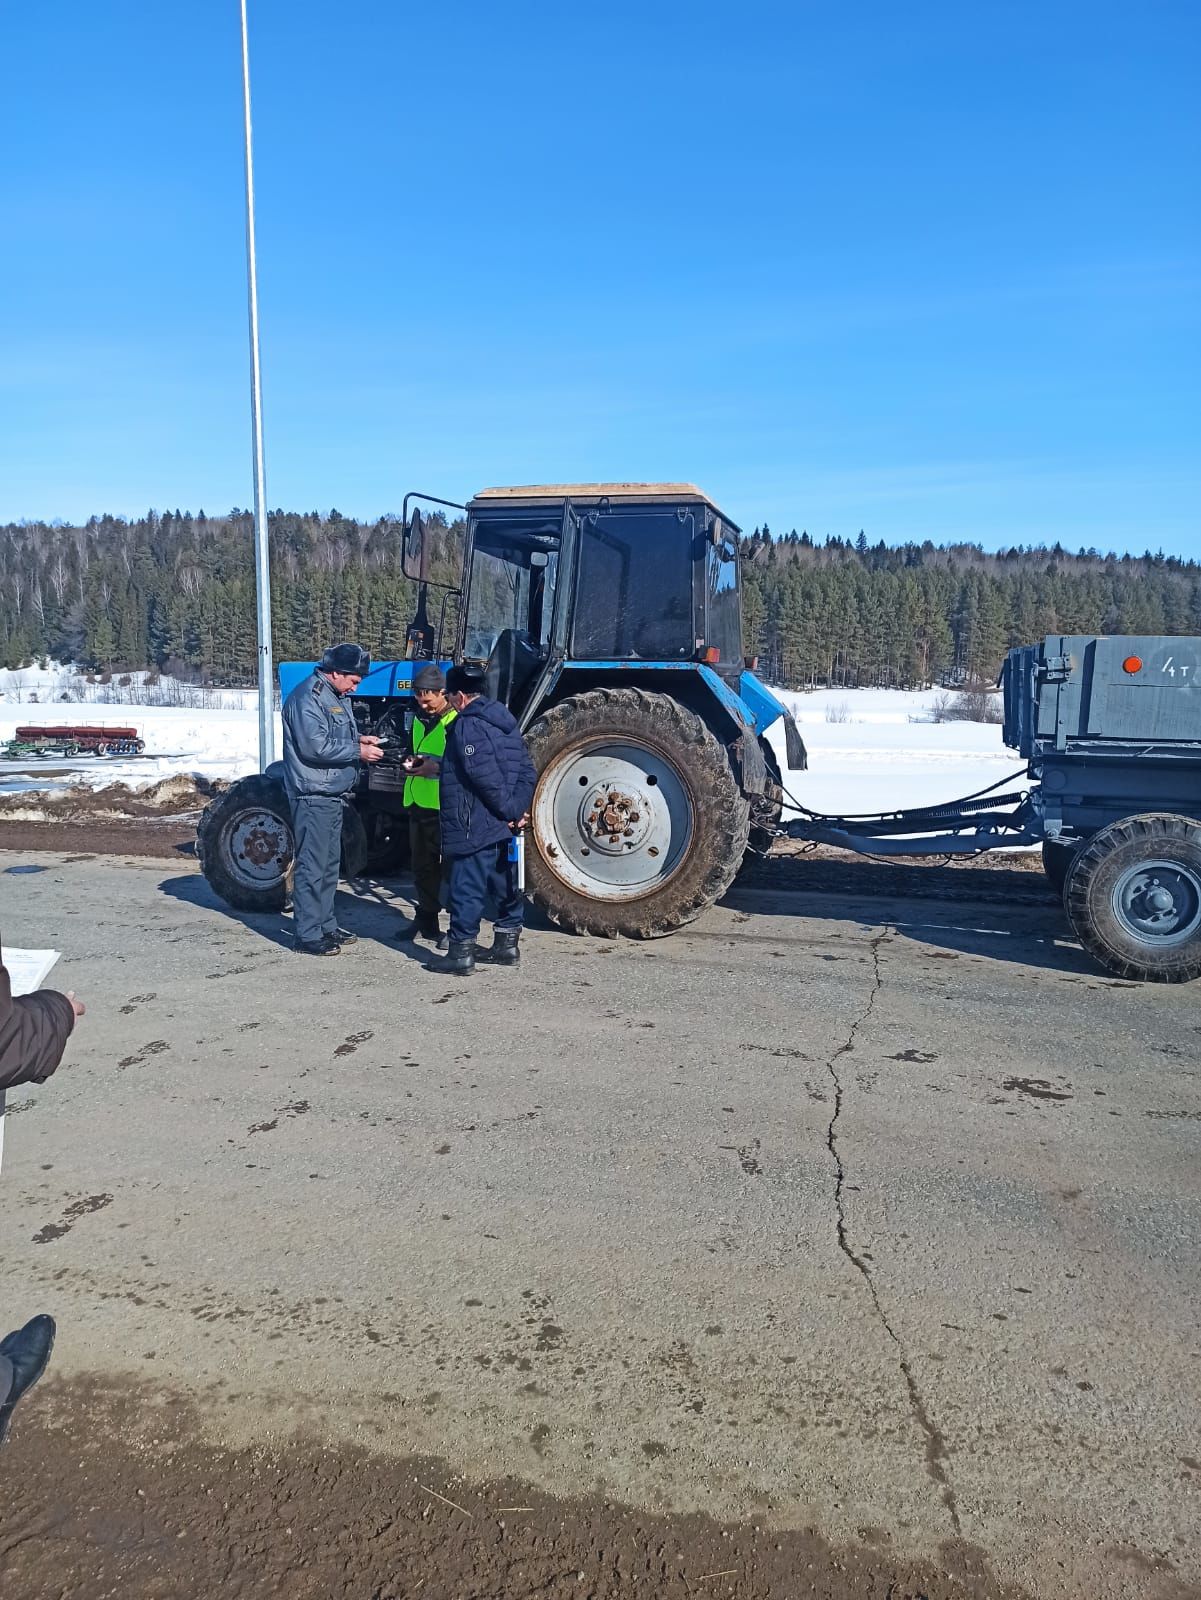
column 412, row 559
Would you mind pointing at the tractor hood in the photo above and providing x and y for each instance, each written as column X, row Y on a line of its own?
column 388, row 679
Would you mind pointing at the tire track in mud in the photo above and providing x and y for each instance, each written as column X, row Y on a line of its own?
column 937, row 1454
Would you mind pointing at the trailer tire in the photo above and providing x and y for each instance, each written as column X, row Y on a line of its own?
column 686, row 817
column 1133, row 897
column 244, row 842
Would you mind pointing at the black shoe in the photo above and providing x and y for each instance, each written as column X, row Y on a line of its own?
column 323, row 947
column 503, row 951
column 28, row 1349
column 343, row 936
column 408, row 930
column 458, row 962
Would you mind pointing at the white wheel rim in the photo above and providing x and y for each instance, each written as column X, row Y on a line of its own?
column 612, row 820
column 259, row 848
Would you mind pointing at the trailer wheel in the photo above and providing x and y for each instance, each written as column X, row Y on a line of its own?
column 244, row 841
column 1133, row 897
column 1058, row 856
column 638, row 821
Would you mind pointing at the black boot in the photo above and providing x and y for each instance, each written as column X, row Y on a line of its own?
column 504, row 951
column 431, row 929
column 28, row 1351
column 458, row 962
column 408, row 930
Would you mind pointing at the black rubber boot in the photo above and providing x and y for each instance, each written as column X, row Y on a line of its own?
column 458, row 962
column 504, row 950
column 431, row 929
column 28, row 1352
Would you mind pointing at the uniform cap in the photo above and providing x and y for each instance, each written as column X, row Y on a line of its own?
column 349, row 658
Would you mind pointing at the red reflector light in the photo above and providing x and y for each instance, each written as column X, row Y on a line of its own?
column 751, row 663
column 711, row 655
column 1132, row 664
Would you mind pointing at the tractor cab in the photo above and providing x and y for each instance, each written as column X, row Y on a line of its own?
column 610, row 574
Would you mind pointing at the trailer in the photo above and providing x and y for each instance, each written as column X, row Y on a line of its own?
column 79, row 739
column 1110, row 730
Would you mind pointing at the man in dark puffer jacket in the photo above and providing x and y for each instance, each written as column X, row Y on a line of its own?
column 487, row 788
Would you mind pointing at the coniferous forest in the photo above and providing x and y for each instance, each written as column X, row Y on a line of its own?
column 175, row 592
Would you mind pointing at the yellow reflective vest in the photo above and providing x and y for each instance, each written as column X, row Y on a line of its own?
column 423, row 792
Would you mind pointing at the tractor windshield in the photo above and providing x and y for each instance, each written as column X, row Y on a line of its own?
column 511, row 584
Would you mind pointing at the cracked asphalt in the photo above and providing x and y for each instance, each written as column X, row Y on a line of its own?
column 877, row 1217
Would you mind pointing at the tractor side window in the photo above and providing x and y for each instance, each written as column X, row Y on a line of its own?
column 724, row 621
column 634, row 597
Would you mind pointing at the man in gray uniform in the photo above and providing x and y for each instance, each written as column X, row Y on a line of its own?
column 322, row 751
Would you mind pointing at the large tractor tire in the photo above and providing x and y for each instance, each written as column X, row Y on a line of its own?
column 1133, row 897
column 244, row 841
column 638, row 822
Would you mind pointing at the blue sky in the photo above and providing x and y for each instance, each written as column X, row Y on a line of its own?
column 932, row 270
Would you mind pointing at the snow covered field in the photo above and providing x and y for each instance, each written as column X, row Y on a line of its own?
column 219, row 740
column 886, row 754
column 889, row 754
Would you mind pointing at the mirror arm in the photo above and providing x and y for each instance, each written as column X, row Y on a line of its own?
column 430, row 499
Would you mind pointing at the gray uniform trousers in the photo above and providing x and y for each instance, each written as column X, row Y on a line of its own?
column 317, row 834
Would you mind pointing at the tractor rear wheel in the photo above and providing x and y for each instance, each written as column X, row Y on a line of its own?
column 244, row 841
column 638, row 823
column 1133, row 898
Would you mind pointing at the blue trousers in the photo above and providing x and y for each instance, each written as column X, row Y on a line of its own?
column 485, row 875
column 317, row 835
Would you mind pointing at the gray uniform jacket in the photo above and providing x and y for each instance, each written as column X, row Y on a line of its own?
column 321, row 740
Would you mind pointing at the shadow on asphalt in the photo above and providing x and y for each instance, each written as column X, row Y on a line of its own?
column 373, row 912
column 1035, row 935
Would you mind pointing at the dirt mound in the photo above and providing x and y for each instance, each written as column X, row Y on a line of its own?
column 108, row 1492
column 181, row 794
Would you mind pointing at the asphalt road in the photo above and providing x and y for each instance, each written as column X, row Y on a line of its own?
column 881, row 1217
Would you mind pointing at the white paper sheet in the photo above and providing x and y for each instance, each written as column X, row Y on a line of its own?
column 27, row 971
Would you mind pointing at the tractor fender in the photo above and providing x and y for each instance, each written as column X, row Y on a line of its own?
column 750, row 767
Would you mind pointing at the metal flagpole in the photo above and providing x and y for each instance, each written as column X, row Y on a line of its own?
column 262, row 558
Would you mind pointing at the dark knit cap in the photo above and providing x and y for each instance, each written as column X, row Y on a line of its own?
column 469, row 678
column 349, row 658
column 429, row 677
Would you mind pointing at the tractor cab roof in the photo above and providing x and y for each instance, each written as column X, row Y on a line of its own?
column 541, row 494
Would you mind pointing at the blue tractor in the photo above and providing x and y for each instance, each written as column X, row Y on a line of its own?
column 609, row 617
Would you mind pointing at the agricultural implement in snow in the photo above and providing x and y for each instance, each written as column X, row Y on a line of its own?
column 609, row 619
column 82, row 739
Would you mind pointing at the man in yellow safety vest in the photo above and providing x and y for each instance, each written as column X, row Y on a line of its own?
column 434, row 715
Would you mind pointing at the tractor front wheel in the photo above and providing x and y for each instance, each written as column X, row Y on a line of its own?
column 638, row 822
column 244, row 841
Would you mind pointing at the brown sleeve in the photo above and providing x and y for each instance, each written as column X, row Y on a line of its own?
column 33, row 1033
